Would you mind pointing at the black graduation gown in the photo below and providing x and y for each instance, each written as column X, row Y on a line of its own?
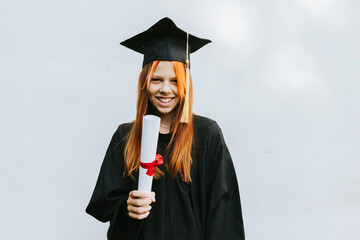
column 208, row 208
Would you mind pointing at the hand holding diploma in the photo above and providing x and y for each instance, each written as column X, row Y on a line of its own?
column 138, row 204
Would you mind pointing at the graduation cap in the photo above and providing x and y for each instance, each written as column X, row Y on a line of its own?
column 165, row 41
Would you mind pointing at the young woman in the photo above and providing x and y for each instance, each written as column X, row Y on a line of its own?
column 195, row 192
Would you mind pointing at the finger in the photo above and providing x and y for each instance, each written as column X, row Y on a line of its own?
column 138, row 194
column 139, row 216
column 138, row 202
column 152, row 197
column 138, row 210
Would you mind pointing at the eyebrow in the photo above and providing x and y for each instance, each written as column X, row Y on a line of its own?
column 156, row 76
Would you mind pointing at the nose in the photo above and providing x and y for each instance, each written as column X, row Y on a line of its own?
column 165, row 87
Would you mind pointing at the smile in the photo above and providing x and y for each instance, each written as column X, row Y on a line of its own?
column 164, row 99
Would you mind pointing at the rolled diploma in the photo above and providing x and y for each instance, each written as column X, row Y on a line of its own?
column 149, row 140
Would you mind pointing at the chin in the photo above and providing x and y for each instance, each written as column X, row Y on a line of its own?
column 165, row 111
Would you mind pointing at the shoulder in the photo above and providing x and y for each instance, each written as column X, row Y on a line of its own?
column 202, row 121
column 205, row 124
column 121, row 132
column 124, row 128
column 205, row 130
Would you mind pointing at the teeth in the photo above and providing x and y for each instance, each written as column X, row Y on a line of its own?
column 165, row 100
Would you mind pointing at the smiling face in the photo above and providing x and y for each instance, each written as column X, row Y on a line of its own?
column 163, row 90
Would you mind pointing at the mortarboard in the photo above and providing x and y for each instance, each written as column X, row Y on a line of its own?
column 165, row 41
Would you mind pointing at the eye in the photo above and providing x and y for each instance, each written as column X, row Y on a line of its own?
column 155, row 80
column 174, row 81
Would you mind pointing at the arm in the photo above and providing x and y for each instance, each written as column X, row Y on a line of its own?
column 109, row 199
column 111, row 189
column 224, row 215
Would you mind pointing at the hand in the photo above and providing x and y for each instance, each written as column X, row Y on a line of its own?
column 138, row 204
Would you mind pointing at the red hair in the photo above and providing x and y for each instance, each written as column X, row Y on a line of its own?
column 180, row 145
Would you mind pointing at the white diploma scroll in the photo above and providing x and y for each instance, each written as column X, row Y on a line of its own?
column 149, row 140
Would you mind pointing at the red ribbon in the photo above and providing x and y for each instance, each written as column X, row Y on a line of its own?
column 151, row 165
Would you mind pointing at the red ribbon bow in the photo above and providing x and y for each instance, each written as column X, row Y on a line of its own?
column 151, row 165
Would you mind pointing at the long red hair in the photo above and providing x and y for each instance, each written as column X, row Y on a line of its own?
column 178, row 152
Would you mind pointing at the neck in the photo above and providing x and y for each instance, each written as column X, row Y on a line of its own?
column 165, row 123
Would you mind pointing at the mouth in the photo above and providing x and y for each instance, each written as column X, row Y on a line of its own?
column 165, row 100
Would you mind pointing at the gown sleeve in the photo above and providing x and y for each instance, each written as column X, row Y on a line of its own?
column 224, row 215
column 108, row 201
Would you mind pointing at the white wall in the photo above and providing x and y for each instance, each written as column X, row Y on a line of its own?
column 281, row 78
